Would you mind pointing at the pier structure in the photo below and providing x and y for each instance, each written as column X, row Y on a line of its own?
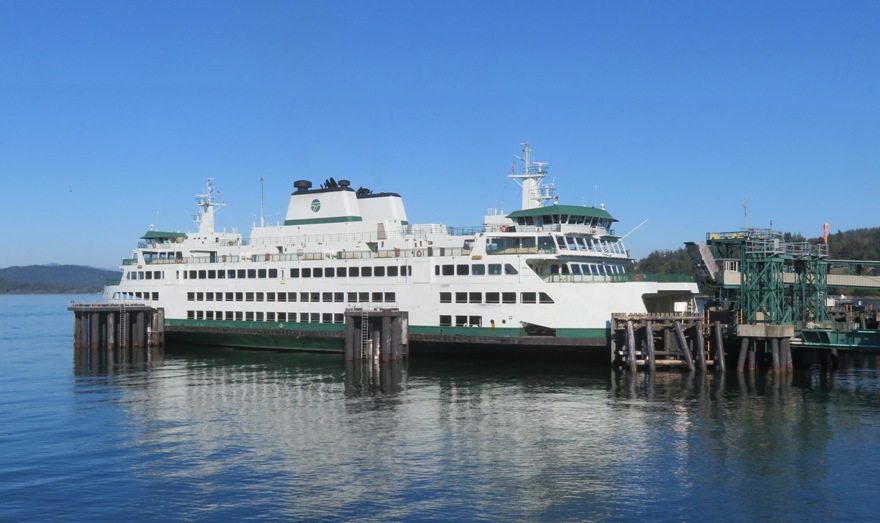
column 672, row 339
column 104, row 326
column 772, row 284
column 772, row 291
column 376, row 333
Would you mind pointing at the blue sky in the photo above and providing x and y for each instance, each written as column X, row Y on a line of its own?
column 113, row 114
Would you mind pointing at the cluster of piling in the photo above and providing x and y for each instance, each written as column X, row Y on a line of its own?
column 770, row 340
column 651, row 340
column 117, row 326
column 376, row 334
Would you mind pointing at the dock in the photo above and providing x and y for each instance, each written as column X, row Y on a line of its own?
column 117, row 326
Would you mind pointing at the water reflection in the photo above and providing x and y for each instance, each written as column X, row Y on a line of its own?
column 89, row 362
column 308, row 436
column 368, row 377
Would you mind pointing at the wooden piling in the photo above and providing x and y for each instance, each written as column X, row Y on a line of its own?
column 743, row 352
column 774, row 353
column 631, row 345
column 701, row 345
column 375, row 334
column 785, row 355
column 683, row 343
column 719, row 348
column 649, row 345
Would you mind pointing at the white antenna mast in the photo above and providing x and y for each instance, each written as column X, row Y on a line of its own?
column 534, row 194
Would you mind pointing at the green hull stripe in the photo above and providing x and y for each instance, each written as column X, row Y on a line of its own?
column 317, row 328
column 215, row 324
column 313, row 221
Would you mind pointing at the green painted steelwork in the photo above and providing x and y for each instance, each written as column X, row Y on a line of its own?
column 853, row 340
column 556, row 210
column 314, row 221
column 161, row 236
column 781, row 282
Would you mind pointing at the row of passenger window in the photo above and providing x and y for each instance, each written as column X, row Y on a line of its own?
column 288, row 297
column 145, row 275
column 292, row 317
column 129, row 296
column 365, row 271
column 229, row 274
column 475, row 269
column 580, row 243
column 588, row 269
column 305, row 272
column 495, row 297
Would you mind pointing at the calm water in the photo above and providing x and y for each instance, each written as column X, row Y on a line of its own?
column 215, row 434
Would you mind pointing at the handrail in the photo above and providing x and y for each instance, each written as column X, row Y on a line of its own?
column 618, row 278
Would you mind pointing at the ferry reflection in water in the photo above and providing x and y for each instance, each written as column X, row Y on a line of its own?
column 226, row 433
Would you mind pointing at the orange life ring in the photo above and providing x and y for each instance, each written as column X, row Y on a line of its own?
column 503, row 228
column 637, row 277
column 154, row 245
column 418, row 253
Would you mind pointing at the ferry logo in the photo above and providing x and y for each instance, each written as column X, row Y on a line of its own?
column 316, row 205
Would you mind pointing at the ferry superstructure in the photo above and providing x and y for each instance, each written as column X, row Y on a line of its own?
column 547, row 275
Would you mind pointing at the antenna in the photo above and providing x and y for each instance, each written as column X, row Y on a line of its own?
column 745, row 212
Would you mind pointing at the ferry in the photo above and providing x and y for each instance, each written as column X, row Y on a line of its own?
column 546, row 277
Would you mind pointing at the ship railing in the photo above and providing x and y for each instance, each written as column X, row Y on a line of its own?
column 341, row 254
column 617, row 278
column 372, row 305
column 417, row 231
column 563, row 227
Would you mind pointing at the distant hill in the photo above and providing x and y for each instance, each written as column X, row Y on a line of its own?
column 855, row 244
column 54, row 279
